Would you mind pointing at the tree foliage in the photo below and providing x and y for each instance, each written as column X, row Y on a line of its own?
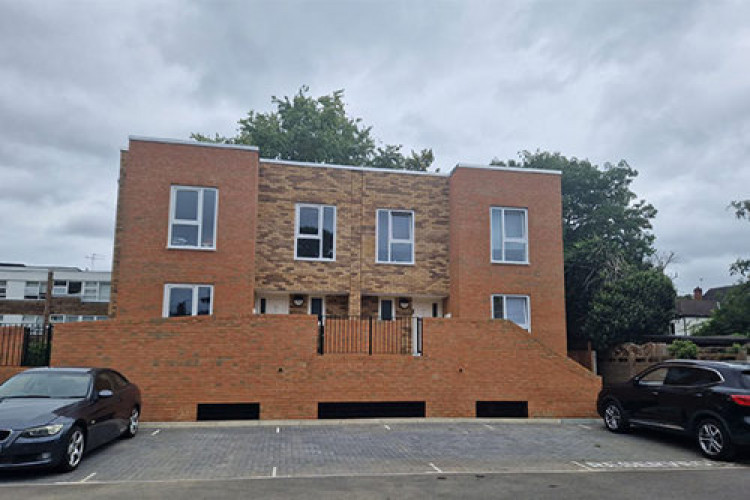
column 614, row 290
column 742, row 211
column 305, row 128
column 733, row 317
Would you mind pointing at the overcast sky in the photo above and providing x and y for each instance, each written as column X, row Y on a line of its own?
column 664, row 85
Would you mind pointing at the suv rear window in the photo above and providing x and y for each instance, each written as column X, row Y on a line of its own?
column 746, row 379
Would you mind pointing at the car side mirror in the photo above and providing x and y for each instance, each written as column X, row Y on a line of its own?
column 105, row 393
column 636, row 381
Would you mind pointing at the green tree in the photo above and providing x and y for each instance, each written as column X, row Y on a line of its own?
column 608, row 245
column 742, row 211
column 625, row 309
column 305, row 128
column 733, row 317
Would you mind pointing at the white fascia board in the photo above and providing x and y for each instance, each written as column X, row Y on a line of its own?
column 192, row 143
column 506, row 169
column 350, row 167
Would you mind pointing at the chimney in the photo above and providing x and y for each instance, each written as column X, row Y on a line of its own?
column 698, row 293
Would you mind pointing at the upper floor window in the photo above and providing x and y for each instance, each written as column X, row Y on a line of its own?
column 188, row 300
column 192, row 217
column 3, row 289
column 514, row 308
column 395, row 236
column 35, row 290
column 509, row 235
column 66, row 287
column 96, row 291
column 315, row 232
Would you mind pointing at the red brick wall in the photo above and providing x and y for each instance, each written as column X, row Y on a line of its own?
column 8, row 371
column 474, row 278
column 272, row 360
column 143, row 263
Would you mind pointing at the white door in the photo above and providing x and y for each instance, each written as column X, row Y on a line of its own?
column 428, row 308
column 272, row 304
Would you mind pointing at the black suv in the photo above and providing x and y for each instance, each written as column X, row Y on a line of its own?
column 709, row 400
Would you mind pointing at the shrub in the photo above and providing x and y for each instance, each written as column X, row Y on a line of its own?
column 683, row 349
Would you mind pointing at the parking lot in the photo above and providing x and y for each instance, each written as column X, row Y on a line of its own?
column 370, row 449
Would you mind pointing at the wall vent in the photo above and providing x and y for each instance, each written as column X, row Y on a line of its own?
column 228, row 411
column 502, row 409
column 380, row 409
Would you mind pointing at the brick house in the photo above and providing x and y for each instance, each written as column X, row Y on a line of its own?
column 251, row 250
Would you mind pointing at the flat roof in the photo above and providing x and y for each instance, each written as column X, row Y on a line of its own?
column 191, row 143
column 337, row 166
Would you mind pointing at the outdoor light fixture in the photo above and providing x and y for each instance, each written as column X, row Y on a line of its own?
column 298, row 300
column 403, row 303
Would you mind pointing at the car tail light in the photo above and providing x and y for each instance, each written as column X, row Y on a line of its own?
column 741, row 400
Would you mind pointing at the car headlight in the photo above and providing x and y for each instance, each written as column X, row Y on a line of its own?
column 43, row 431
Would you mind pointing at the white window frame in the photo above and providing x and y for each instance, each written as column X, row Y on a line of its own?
column 41, row 290
column 322, row 304
column 168, row 288
column 199, row 222
column 505, row 239
column 318, row 236
column 392, row 240
column 98, row 285
column 505, row 296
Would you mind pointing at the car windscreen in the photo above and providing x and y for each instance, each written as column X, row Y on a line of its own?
column 46, row 385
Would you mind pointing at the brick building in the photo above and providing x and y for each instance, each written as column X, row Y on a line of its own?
column 33, row 295
column 260, row 247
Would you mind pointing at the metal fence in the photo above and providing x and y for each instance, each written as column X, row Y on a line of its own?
column 368, row 335
column 25, row 345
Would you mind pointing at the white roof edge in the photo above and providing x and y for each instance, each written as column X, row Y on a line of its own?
column 351, row 167
column 506, row 169
column 191, row 143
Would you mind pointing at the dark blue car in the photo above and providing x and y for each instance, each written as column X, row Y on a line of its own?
column 52, row 416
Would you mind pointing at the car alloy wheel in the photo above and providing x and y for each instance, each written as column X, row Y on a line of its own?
column 74, row 450
column 133, row 423
column 713, row 440
column 613, row 417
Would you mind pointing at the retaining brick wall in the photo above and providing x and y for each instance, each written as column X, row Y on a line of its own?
column 180, row 362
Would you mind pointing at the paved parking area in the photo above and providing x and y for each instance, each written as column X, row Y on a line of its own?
column 162, row 454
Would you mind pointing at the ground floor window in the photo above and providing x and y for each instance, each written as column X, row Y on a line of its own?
column 514, row 308
column 188, row 300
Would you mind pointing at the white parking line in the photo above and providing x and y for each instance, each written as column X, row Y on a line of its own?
column 157, row 431
column 278, row 429
column 273, row 472
column 489, row 427
column 582, row 426
column 88, row 477
column 579, row 464
column 434, row 467
column 388, row 427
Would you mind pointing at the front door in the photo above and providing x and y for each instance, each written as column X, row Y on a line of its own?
column 318, row 306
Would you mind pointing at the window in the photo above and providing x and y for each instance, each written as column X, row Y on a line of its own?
column 386, row 309
column 395, row 237
column 32, row 319
column 514, row 308
column 188, row 300
column 509, row 235
column 96, row 291
column 57, row 318
column 35, row 290
column 654, row 378
column 65, row 287
column 192, row 218
column 3, row 289
column 315, row 232
column 686, row 376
